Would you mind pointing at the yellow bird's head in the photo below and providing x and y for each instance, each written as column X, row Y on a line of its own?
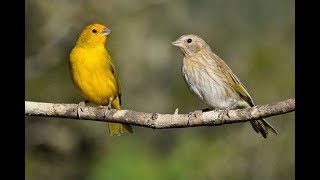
column 94, row 34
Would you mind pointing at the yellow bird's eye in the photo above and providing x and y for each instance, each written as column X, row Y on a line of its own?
column 189, row 40
column 94, row 30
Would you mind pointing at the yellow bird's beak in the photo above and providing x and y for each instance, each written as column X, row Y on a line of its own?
column 106, row 32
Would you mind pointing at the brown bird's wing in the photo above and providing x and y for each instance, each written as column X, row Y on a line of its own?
column 258, row 125
column 233, row 80
column 240, row 88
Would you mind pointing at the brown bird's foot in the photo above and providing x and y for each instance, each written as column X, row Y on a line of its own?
column 80, row 108
column 223, row 114
column 195, row 113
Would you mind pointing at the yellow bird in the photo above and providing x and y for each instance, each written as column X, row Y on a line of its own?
column 94, row 74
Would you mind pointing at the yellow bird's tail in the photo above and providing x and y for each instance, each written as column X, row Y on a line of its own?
column 117, row 129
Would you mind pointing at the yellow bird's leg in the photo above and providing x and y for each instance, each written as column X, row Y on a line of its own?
column 109, row 107
column 109, row 104
column 81, row 105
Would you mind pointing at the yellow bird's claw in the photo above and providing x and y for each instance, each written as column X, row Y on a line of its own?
column 80, row 108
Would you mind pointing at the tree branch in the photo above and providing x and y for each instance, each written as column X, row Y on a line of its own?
column 157, row 120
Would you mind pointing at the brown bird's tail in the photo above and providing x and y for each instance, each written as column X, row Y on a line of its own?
column 263, row 127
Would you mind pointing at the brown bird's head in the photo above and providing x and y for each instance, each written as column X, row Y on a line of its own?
column 94, row 34
column 190, row 44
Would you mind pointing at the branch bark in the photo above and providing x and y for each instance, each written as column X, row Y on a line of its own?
column 157, row 120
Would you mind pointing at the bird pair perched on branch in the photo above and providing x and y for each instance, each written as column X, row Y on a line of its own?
column 208, row 77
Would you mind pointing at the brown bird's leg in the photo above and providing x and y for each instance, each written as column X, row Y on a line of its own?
column 225, row 111
column 194, row 114
column 81, row 105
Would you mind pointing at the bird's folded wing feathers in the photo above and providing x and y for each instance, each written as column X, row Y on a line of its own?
column 115, row 74
column 235, row 83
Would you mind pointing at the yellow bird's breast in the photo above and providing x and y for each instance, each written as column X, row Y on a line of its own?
column 92, row 74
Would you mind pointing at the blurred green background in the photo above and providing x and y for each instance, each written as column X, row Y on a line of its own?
column 255, row 38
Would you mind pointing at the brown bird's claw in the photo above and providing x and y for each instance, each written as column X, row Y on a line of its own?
column 224, row 113
column 195, row 114
column 80, row 108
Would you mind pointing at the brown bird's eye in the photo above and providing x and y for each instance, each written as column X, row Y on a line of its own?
column 189, row 40
column 94, row 30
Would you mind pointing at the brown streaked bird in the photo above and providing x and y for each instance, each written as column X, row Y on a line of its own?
column 211, row 80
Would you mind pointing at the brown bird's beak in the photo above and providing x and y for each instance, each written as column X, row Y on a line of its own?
column 177, row 43
column 106, row 32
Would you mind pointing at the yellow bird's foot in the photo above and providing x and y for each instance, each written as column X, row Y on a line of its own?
column 108, row 108
column 80, row 108
column 109, row 104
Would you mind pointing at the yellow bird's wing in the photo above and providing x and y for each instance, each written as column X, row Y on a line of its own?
column 116, row 77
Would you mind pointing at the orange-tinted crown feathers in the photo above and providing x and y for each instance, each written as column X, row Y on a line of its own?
column 94, row 34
